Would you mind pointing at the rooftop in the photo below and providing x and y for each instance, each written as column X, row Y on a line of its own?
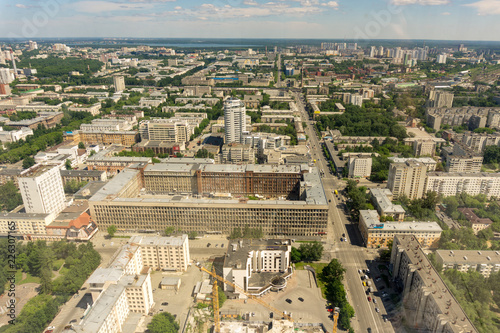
column 37, row 170
column 471, row 257
column 159, row 241
column 237, row 251
column 450, row 310
column 384, row 203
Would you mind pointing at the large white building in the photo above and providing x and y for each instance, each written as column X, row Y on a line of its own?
column 451, row 184
column 164, row 253
column 119, row 83
column 42, row 190
column 359, row 165
column 234, row 120
column 6, row 76
column 252, row 265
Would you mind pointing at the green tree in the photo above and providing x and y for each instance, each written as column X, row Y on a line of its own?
column 311, row 251
column 28, row 162
column 236, row 233
column 222, row 296
column 491, row 154
column 81, row 145
column 192, row 235
column 333, row 271
column 169, row 230
column 111, row 230
column 10, row 197
column 67, row 164
column 163, row 323
column 295, row 255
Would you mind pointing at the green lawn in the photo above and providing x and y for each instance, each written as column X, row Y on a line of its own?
column 318, row 267
column 29, row 278
column 57, row 264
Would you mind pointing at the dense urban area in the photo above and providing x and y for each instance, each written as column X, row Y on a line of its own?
column 310, row 187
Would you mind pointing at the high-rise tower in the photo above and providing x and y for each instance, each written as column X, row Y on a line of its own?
column 234, row 119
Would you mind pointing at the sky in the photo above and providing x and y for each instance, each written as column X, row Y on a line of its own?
column 319, row 19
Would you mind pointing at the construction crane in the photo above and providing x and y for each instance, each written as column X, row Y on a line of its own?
column 240, row 290
column 336, row 312
column 215, row 304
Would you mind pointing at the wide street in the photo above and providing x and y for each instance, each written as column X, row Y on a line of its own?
column 351, row 252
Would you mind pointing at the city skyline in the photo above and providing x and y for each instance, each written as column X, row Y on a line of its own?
column 361, row 19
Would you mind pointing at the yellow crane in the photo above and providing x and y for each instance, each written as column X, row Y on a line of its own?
column 240, row 290
column 336, row 312
column 215, row 304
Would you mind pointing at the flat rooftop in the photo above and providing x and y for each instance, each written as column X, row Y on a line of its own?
column 37, row 170
column 242, row 247
column 159, row 241
column 471, row 257
column 381, row 197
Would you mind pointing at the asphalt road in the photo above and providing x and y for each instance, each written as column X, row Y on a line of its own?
column 351, row 253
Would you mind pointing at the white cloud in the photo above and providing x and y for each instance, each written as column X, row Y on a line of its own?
column 208, row 11
column 250, row 3
column 147, row 1
column 106, row 6
column 20, row 5
column 446, row 13
column 331, row 4
column 486, row 7
column 177, row 7
column 420, row 2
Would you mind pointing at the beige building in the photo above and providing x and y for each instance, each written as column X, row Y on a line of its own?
column 25, row 223
column 376, row 234
column 237, row 153
column 168, row 130
column 428, row 304
column 484, row 262
column 195, row 197
column 164, row 253
column 119, row 83
column 382, row 199
column 440, row 99
column 360, row 166
column 407, row 179
column 424, row 148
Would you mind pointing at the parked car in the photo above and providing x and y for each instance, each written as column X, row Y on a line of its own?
column 301, row 299
column 374, row 301
column 208, row 245
column 164, row 303
column 289, row 301
column 369, row 299
column 377, row 310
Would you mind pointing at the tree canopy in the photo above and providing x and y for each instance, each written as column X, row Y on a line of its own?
column 163, row 323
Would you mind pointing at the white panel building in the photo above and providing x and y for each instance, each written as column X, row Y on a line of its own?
column 42, row 190
column 234, row 120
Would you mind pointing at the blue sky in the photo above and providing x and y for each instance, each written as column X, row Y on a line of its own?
column 377, row 19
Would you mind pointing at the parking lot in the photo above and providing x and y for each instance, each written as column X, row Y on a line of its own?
column 311, row 310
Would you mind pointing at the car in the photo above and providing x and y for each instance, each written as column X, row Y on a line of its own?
column 367, row 292
column 73, row 321
column 330, row 200
column 271, row 315
column 343, row 235
column 161, row 309
column 341, row 239
column 385, row 318
column 366, row 277
column 369, row 330
column 377, row 310
column 164, row 303
column 378, row 279
column 369, row 289
column 222, row 245
column 374, row 301
column 301, row 299
column 360, row 271
column 289, row 301
column 369, row 299
column 208, row 245
column 216, row 245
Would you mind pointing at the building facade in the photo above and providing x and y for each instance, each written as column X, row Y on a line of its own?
column 234, row 120
column 359, row 166
column 42, row 190
column 427, row 302
column 451, row 184
column 484, row 262
column 119, row 83
column 407, row 179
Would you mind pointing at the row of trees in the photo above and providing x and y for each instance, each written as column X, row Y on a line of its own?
column 247, row 232
column 332, row 276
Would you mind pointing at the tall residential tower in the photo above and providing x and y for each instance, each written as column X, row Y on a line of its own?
column 234, row 120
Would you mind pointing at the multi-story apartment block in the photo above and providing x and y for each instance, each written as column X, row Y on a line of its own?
column 440, row 99
column 105, row 161
column 237, row 153
column 119, row 83
column 104, row 125
column 407, row 179
column 435, row 117
column 430, row 163
column 234, row 120
column 168, row 130
column 424, row 148
column 484, row 262
column 382, row 199
column 199, row 197
column 477, row 142
column 462, row 159
column 164, row 253
column 427, row 302
column 247, row 260
column 451, row 184
column 376, row 234
column 24, row 224
column 360, row 166
column 124, row 138
column 42, row 190
column 83, row 175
